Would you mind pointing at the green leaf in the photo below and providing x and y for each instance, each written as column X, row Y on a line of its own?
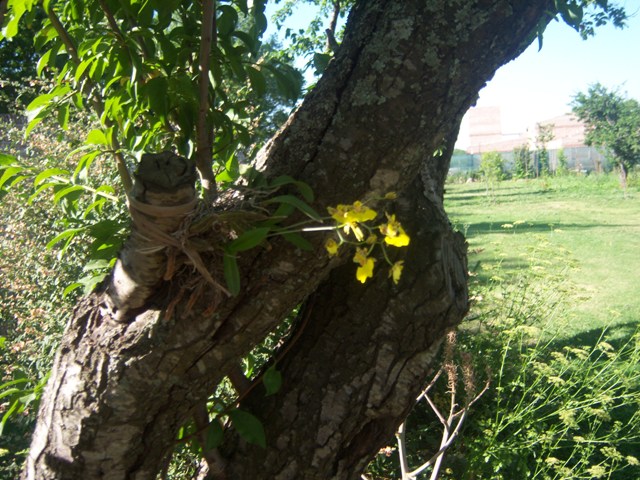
column 9, row 173
column 63, row 116
column 215, row 435
column 3, row 341
column 96, row 137
column 231, row 273
column 258, row 82
column 304, row 189
column 68, row 191
column 49, row 172
column 82, row 67
column 12, row 383
column 40, row 101
column 248, row 240
column 44, row 60
column 8, row 414
column 66, row 235
column 6, row 159
column 572, row 14
column 297, row 203
column 71, row 288
column 248, row 427
column 272, row 380
column 85, row 162
column 320, row 61
column 227, row 20
column 18, row 9
column 298, row 240
column 39, row 190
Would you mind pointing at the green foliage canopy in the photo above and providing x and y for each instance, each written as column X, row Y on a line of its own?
column 136, row 65
column 613, row 122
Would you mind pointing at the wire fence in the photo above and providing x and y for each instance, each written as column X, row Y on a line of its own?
column 579, row 159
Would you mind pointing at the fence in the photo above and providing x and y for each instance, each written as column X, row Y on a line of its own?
column 582, row 159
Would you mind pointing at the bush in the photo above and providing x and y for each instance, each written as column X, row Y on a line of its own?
column 33, row 306
column 492, row 167
column 523, row 163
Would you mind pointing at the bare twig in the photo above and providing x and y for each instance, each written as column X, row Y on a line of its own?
column 402, row 450
column 204, row 131
column 112, row 22
column 63, row 34
column 452, row 424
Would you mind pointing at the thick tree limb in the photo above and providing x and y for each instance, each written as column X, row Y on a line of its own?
column 394, row 94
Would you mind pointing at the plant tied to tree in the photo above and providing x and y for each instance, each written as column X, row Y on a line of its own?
column 185, row 87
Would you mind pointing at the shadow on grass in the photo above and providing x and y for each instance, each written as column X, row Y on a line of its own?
column 530, row 227
column 616, row 335
column 481, row 196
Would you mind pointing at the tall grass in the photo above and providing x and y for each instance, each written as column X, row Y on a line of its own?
column 564, row 401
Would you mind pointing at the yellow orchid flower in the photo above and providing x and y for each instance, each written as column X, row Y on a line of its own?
column 331, row 246
column 348, row 217
column 366, row 264
column 396, row 271
column 393, row 232
column 359, row 212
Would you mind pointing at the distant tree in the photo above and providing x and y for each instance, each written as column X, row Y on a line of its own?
column 613, row 123
column 544, row 136
column 522, row 167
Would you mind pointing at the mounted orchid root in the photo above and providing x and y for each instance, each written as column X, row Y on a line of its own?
column 163, row 197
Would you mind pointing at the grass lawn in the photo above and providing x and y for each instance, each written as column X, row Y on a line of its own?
column 583, row 229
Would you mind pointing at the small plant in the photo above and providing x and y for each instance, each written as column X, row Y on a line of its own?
column 544, row 136
column 492, row 170
column 563, row 163
column 522, row 167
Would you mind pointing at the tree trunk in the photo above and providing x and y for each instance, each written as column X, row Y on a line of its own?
column 383, row 118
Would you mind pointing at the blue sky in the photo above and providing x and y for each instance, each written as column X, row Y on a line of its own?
column 540, row 84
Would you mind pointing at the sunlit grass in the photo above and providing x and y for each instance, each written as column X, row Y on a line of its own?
column 583, row 229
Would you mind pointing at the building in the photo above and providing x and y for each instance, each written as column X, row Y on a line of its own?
column 487, row 134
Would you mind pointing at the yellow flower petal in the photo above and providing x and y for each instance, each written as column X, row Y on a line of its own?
column 396, row 271
column 331, row 246
column 400, row 240
column 360, row 213
column 365, row 271
column 361, row 256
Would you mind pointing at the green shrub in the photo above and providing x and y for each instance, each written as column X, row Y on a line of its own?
column 492, row 167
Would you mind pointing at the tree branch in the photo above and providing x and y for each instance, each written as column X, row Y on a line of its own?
column 332, row 44
column 112, row 21
column 204, row 131
column 64, row 35
column 3, row 10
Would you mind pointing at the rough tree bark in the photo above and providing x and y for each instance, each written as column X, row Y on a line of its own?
column 127, row 376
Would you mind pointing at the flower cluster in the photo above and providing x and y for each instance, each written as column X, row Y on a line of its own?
column 351, row 221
